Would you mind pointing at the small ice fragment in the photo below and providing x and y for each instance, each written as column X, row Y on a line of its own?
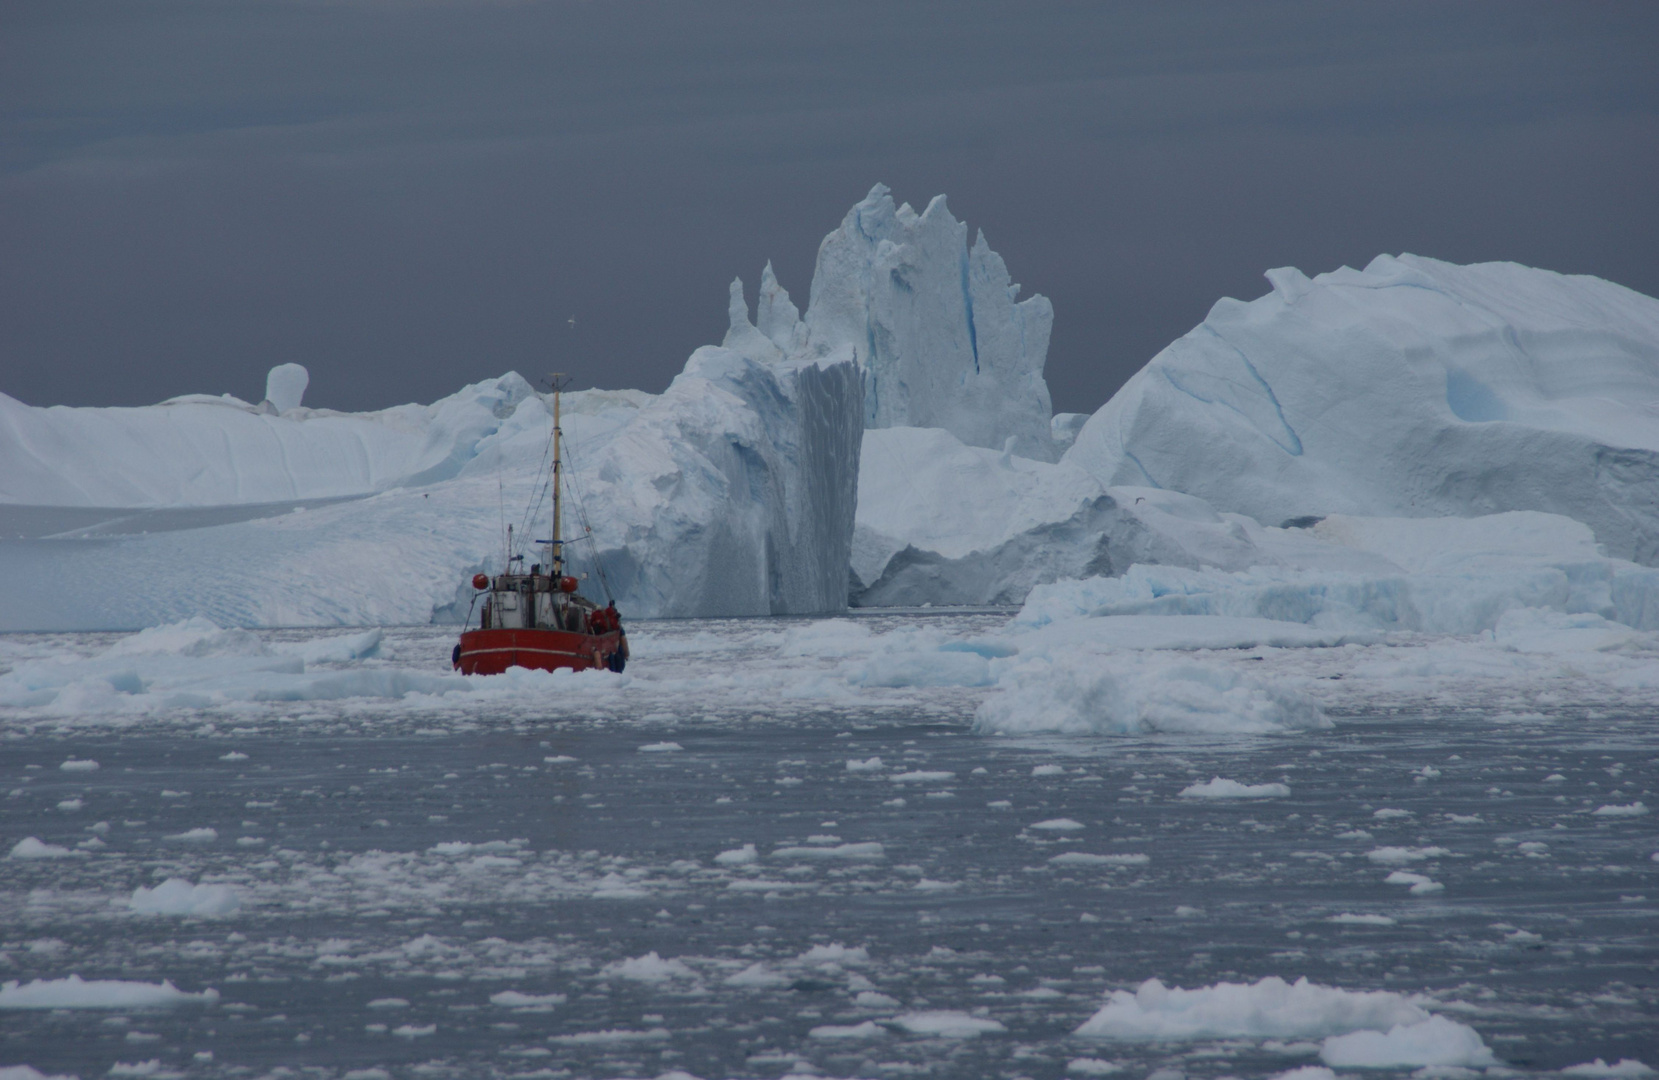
column 513, row 999
column 1624, row 1069
column 867, row 765
column 921, row 776
column 1635, row 809
column 1435, row 1041
column 947, row 1024
column 70, row 805
column 1064, row 824
column 1347, row 919
column 200, row 835
column 81, row 765
column 234, row 755
column 558, row 759
column 1388, row 812
column 1048, row 770
column 411, row 1031
column 389, row 1003
column 1219, row 788
column 1083, row 858
column 177, row 896
column 661, row 747
column 1183, row 911
column 1088, row 1066
column 869, row 1029
column 1557, row 778
column 738, row 856
column 1399, row 856
column 32, row 848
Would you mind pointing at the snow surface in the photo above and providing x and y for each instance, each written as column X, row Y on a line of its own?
column 1413, row 388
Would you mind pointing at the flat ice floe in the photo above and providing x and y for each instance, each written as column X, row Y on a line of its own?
column 74, row 992
column 1375, row 1028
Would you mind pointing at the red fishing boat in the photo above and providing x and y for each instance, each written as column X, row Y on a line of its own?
column 538, row 619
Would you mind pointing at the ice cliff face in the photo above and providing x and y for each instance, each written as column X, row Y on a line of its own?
column 934, row 323
column 1413, row 388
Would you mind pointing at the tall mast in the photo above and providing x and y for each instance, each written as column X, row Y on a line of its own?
column 558, row 541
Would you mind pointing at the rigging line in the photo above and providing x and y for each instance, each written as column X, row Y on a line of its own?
column 587, row 526
column 543, row 486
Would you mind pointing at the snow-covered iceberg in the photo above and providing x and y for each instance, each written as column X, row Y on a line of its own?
column 731, row 493
column 1413, row 388
column 941, row 522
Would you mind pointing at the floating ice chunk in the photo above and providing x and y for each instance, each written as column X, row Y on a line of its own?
column 234, row 755
column 610, row 1036
column 177, row 896
column 81, row 765
column 921, row 776
column 200, row 835
column 1420, row 885
column 947, row 1024
column 1088, row 1066
column 1048, row 770
column 1271, row 1007
column 867, row 765
column 515, row 999
column 758, row 976
column 1623, row 1069
column 1083, row 858
column 1347, row 919
column 415, row 1031
column 1386, row 813
column 1555, row 778
column 835, row 953
column 869, row 1029
column 29, row 1072
column 75, row 993
column 151, row 1067
column 32, row 848
column 1219, row 788
column 871, row 999
column 1307, row 1072
column 1435, row 1041
column 1075, row 689
column 1400, row 856
column 1635, row 809
column 856, row 852
column 738, row 856
column 661, row 747
column 649, row 968
column 389, row 1003
column 1063, row 824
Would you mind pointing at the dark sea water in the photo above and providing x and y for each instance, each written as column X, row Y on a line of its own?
column 397, row 867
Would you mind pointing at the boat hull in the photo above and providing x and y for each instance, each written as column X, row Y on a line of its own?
column 490, row 652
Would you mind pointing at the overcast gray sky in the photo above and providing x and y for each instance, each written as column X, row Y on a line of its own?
column 406, row 197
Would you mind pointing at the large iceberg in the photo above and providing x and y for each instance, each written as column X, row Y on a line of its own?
column 731, row 493
column 940, row 522
column 935, row 324
column 1413, row 388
